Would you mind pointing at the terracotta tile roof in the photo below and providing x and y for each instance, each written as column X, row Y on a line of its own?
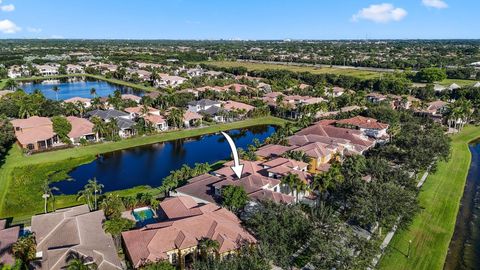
column 80, row 127
column 138, row 110
column 250, row 183
column 317, row 149
column 77, row 230
column 154, row 241
column 249, row 168
column 131, row 97
column 8, row 236
column 363, row 122
column 200, row 187
column 189, row 116
column 33, row 129
column 77, row 99
column 301, row 140
column 290, row 163
column 234, row 105
column 268, row 195
column 272, row 150
column 154, row 119
column 355, row 137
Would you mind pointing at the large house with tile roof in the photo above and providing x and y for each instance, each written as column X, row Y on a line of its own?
column 73, row 230
column 185, row 223
column 35, row 133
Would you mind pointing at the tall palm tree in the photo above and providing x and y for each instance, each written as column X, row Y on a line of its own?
column 86, row 194
column 48, row 193
column 95, row 188
column 175, row 117
column 55, row 89
column 99, row 127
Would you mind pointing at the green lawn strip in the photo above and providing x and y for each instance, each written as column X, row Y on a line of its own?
column 22, row 176
column 448, row 82
column 2, row 83
column 97, row 77
column 433, row 227
column 362, row 74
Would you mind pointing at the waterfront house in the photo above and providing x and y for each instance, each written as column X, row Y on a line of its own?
column 140, row 111
column 170, row 80
column 47, row 70
column 131, row 97
column 240, row 107
column 191, row 119
column 203, row 105
column 271, row 151
column 124, row 123
column 8, row 236
column 86, row 102
column 177, row 236
column 158, row 121
column 72, row 69
column 35, row 133
column 70, row 231
column 82, row 129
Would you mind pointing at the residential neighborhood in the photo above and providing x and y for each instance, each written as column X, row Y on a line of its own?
column 259, row 135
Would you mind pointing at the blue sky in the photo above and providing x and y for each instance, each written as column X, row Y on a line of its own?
column 235, row 19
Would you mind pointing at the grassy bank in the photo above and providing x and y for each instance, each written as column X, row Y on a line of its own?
column 21, row 177
column 97, row 77
column 362, row 74
column 433, row 227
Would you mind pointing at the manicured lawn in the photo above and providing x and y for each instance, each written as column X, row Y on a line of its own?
column 448, row 82
column 98, row 77
column 362, row 74
column 21, row 176
column 433, row 227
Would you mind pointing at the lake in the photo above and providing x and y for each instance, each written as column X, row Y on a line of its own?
column 464, row 249
column 149, row 164
column 77, row 88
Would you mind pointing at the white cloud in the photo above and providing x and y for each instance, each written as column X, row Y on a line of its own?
column 9, row 27
column 56, row 37
column 34, row 30
column 435, row 3
column 8, row 8
column 381, row 13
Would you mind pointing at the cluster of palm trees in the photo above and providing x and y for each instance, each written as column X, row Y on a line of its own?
column 458, row 113
column 108, row 130
column 48, row 194
column 90, row 193
column 295, row 185
column 181, row 175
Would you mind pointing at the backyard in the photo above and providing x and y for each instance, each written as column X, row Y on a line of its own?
column 433, row 227
column 22, row 176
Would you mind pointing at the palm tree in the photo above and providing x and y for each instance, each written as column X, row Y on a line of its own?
column 99, row 126
column 11, row 84
column 48, row 193
column 56, row 89
column 206, row 246
column 95, row 187
column 24, row 250
column 175, row 117
column 93, row 92
column 81, row 108
column 85, row 193
column 79, row 262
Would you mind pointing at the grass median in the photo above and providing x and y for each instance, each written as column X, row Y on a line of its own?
column 21, row 176
column 433, row 227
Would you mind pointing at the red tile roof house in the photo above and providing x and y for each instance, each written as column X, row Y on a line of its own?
column 81, row 129
column 35, row 133
column 138, row 111
column 207, row 188
column 87, row 103
column 73, row 230
column 231, row 105
column 369, row 126
column 272, row 150
column 8, row 236
column 176, row 239
column 192, row 119
column 158, row 121
column 135, row 98
column 355, row 138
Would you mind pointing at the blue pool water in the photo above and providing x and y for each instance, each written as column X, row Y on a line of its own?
column 143, row 215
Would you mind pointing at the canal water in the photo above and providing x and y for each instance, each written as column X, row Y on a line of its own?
column 464, row 249
column 148, row 165
column 77, row 88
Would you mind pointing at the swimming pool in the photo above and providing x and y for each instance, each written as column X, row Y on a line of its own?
column 144, row 215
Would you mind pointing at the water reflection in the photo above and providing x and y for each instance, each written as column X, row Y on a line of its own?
column 148, row 165
column 464, row 249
